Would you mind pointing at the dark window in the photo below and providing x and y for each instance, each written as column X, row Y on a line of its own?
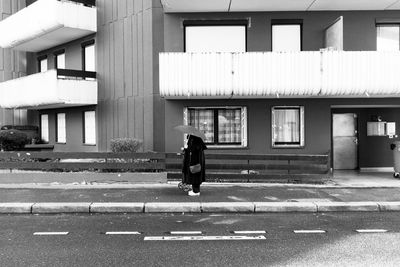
column 222, row 126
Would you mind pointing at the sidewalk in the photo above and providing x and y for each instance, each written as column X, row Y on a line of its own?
column 345, row 192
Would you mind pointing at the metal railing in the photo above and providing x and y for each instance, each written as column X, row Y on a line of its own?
column 84, row 2
column 76, row 73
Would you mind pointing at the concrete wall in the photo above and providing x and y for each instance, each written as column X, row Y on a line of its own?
column 12, row 65
column 130, row 35
column 74, row 128
column 359, row 28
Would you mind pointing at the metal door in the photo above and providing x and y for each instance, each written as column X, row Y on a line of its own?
column 345, row 141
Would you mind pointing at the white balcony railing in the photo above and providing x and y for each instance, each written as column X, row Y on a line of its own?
column 48, row 90
column 47, row 23
column 272, row 74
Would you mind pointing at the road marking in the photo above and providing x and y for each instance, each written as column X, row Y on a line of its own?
column 186, row 232
column 201, row 238
column 249, row 232
column 371, row 230
column 309, row 231
column 123, row 233
column 50, row 233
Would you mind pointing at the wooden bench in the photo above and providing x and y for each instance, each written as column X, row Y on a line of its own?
column 258, row 168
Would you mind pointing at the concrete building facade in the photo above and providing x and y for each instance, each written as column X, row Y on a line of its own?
column 291, row 77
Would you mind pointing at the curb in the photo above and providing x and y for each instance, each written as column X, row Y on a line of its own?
column 196, row 207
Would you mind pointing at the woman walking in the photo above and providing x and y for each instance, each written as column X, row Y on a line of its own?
column 194, row 167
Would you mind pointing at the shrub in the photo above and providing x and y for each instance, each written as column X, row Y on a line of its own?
column 125, row 145
column 12, row 140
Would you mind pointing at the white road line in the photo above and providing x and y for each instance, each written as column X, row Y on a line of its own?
column 201, row 238
column 186, row 232
column 123, row 233
column 249, row 232
column 50, row 233
column 309, row 231
column 371, row 230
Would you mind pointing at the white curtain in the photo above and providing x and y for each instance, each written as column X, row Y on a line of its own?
column 287, row 125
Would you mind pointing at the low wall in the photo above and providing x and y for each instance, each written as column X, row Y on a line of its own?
column 29, row 177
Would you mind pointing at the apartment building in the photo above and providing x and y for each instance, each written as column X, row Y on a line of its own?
column 301, row 77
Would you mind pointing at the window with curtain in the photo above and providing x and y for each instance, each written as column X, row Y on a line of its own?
column 61, row 128
column 42, row 64
column 89, row 57
column 388, row 37
column 286, row 37
column 60, row 61
column 89, row 121
column 44, row 127
column 287, row 126
column 215, row 38
column 222, row 126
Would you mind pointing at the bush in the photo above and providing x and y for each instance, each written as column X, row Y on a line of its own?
column 125, row 145
column 11, row 140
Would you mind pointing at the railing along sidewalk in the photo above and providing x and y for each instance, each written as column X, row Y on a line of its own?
column 83, row 161
column 252, row 168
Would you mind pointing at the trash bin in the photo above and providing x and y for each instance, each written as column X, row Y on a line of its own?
column 396, row 158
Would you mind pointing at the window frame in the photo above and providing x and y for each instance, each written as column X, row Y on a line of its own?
column 65, row 128
column 48, row 128
column 194, row 23
column 216, row 144
column 275, row 22
column 389, row 24
column 56, row 54
column 301, row 143
column 39, row 62
column 84, row 128
column 83, row 46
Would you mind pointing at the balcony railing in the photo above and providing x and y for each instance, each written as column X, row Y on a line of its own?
column 50, row 89
column 85, row 2
column 272, row 74
column 48, row 23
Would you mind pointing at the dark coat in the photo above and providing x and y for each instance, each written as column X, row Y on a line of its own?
column 193, row 155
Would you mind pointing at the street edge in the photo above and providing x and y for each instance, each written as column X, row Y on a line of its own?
column 196, row 207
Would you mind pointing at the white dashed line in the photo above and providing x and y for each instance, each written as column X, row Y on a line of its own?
column 50, row 233
column 249, row 232
column 122, row 233
column 309, row 231
column 186, row 232
column 371, row 231
column 201, row 238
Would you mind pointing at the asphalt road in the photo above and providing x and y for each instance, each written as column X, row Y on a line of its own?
column 82, row 240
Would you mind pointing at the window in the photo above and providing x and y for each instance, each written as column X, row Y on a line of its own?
column 44, row 127
column 60, row 60
column 388, row 37
column 286, row 37
column 288, row 126
column 88, row 56
column 222, row 126
column 61, row 128
column 42, row 64
column 89, row 127
column 215, row 38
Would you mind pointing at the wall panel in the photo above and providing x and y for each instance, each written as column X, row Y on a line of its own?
column 12, row 65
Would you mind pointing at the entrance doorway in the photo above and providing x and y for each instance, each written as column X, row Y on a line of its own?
column 345, row 141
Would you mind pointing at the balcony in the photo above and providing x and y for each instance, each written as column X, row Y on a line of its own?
column 275, row 75
column 48, row 23
column 50, row 89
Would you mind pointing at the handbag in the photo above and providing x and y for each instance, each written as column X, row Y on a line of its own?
column 195, row 168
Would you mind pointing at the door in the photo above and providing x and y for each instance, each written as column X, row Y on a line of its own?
column 345, row 142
